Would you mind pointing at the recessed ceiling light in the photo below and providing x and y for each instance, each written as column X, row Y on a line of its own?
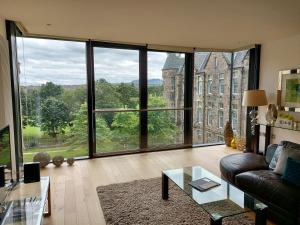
column 48, row 24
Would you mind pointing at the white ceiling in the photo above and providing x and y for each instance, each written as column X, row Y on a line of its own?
column 224, row 24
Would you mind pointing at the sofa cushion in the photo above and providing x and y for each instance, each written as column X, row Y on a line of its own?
column 232, row 165
column 270, row 152
column 292, row 172
column 289, row 144
column 285, row 154
column 275, row 158
column 267, row 185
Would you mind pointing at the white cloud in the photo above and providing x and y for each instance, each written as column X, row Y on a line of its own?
column 63, row 62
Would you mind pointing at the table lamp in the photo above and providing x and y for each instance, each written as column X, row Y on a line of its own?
column 254, row 98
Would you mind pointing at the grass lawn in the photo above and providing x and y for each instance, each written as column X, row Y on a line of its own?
column 64, row 151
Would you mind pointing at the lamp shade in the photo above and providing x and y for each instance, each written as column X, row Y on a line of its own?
column 254, row 98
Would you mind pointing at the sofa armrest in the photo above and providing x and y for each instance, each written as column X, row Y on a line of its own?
column 270, row 152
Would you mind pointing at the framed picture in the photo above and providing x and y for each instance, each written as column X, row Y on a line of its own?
column 290, row 86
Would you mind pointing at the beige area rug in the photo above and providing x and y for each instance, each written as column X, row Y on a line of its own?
column 140, row 202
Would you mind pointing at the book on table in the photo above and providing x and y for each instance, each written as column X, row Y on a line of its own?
column 203, row 184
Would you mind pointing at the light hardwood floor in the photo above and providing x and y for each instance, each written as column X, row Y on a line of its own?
column 73, row 189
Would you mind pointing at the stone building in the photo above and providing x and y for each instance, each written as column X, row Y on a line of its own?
column 211, row 92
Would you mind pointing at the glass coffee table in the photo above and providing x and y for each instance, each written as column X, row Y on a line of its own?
column 219, row 202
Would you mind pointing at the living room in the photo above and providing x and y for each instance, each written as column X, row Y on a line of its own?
column 113, row 114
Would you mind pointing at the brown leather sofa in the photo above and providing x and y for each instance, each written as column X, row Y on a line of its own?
column 250, row 172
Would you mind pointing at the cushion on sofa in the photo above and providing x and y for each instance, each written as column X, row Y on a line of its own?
column 232, row 165
column 292, row 172
column 270, row 187
column 289, row 144
column 275, row 158
column 270, row 152
column 285, row 154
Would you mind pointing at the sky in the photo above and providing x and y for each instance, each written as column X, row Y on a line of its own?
column 63, row 62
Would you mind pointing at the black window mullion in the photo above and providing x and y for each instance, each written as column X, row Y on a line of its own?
column 188, row 98
column 253, row 83
column 231, row 85
column 143, row 99
column 91, row 98
column 12, row 32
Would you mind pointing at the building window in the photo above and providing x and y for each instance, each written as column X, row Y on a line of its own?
column 199, row 133
column 209, row 114
column 200, row 85
column 208, row 136
column 199, row 112
column 173, row 83
column 216, row 62
column 220, row 139
column 221, row 115
column 234, row 83
column 209, row 84
column 234, row 117
column 221, row 84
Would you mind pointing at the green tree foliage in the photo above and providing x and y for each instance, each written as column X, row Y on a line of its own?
column 79, row 129
column 74, row 97
column 30, row 104
column 54, row 116
column 128, row 95
column 106, row 96
column 125, row 127
column 50, row 90
column 155, row 90
column 161, row 125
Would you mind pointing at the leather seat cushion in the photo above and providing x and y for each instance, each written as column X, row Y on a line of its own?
column 232, row 165
column 269, row 186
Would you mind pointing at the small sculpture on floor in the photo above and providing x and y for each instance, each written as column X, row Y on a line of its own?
column 43, row 158
column 58, row 160
column 70, row 161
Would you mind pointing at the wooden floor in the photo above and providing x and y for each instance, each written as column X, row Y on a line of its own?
column 73, row 189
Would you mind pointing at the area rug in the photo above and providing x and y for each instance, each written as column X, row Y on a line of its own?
column 140, row 202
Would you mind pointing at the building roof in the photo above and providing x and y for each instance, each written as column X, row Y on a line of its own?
column 175, row 61
column 239, row 58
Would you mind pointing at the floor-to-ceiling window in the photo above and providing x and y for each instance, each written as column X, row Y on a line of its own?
column 166, row 75
column 219, row 84
column 240, row 79
column 211, row 96
column 52, row 75
column 116, row 79
column 139, row 97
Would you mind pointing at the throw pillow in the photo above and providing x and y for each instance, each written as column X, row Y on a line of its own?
column 287, row 152
column 276, row 155
column 292, row 172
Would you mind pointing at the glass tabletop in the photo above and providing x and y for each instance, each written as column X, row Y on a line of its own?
column 222, row 201
column 26, row 203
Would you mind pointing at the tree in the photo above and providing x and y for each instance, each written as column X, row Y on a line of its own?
column 54, row 116
column 128, row 95
column 74, row 98
column 50, row 90
column 30, row 104
column 106, row 96
column 126, row 127
column 161, row 124
column 79, row 129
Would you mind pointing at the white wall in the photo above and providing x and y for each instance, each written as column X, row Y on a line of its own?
column 275, row 56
